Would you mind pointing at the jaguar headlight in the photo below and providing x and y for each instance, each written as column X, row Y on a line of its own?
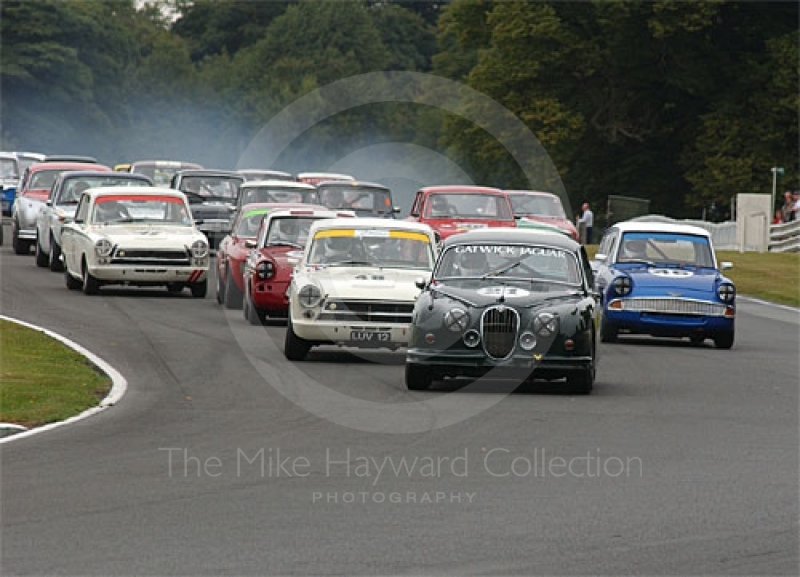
column 199, row 249
column 309, row 296
column 103, row 247
column 456, row 320
column 726, row 292
column 527, row 341
column 622, row 285
column 265, row 269
column 545, row 324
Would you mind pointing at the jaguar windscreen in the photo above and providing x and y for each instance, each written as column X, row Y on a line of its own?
column 534, row 265
column 381, row 248
column 211, row 186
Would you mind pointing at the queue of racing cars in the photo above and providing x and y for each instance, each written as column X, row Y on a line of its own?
column 476, row 280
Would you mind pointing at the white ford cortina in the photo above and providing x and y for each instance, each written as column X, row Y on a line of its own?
column 136, row 236
column 356, row 284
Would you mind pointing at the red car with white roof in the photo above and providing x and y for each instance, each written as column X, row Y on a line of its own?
column 459, row 208
column 234, row 249
column 279, row 247
column 533, row 207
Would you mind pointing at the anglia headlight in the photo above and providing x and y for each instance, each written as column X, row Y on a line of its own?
column 622, row 285
column 456, row 320
column 726, row 292
column 545, row 324
column 265, row 269
column 103, row 247
column 199, row 249
column 309, row 296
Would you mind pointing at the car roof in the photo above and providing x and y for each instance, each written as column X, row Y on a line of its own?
column 278, row 184
column 352, row 183
column 70, row 158
column 332, row 175
column 209, row 172
column 135, row 191
column 369, row 222
column 513, row 235
column 168, row 163
column 264, row 171
column 312, row 210
column 271, row 206
column 644, row 226
column 531, row 193
column 467, row 189
column 63, row 166
column 101, row 173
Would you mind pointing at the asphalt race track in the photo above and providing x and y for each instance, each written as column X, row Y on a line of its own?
column 683, row 461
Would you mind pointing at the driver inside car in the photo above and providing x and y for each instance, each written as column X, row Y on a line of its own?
column 110, row 211
column 473, row 264
column 635, row 249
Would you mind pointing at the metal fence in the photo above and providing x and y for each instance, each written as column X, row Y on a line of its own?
column 785, row 237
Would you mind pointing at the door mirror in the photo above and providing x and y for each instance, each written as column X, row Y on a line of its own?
column 250, row 243
column 420, row 283
column 600, row 257
column 725, row 265
column 49, row 202
column 396, row 209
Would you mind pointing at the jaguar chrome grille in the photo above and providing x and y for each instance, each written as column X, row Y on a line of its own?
column 499, row 327
column 150, row 257
column 367, row 311
column 674, row 306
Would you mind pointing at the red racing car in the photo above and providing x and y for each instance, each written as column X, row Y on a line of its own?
column 234, row 248
column 459, row 208
column 268, row 270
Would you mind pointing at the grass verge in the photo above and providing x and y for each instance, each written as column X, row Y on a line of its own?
column 772, row 276
column 43, row 380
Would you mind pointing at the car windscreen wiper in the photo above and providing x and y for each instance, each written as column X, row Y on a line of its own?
column 503, row 270
column 284, row 243
column 351, row 263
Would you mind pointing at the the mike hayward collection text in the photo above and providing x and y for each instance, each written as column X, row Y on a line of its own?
column 499, row 462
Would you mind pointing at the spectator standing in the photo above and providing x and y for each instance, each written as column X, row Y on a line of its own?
column 587, row 220
column 778, row 218
column 796, row 206
column 787, row 210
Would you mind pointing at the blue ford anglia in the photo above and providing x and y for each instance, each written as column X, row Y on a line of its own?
column 663, row 280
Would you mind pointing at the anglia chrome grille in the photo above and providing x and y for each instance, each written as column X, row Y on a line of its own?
column 367, row 311
column 674, row 306
column 499, row 327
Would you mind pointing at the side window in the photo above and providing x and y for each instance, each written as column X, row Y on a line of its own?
column 82, row 212
column 416, row 208
column 607, row 244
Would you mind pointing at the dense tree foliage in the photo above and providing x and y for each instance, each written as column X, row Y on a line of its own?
column 682, row 103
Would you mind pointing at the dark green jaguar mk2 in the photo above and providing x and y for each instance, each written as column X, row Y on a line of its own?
column 506, row 303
